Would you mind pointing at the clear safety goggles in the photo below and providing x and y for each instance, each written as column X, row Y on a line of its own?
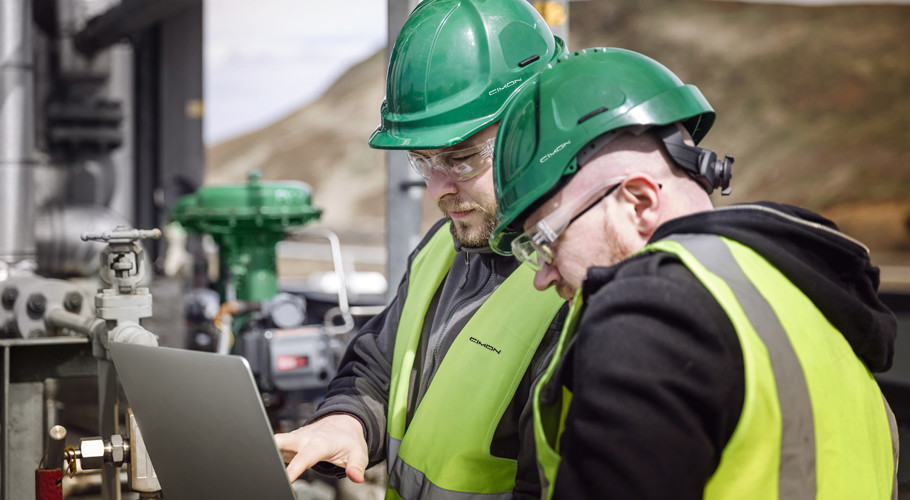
column 455, row 165
column 535, row 246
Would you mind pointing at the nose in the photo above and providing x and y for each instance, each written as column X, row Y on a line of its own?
column 546, row 277
column 438, row 185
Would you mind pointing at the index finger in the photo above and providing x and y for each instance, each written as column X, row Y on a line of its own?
column 287, row 442
column 306, row 458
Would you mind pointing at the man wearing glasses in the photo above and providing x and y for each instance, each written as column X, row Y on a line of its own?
column 439, row 384
column 708, row 353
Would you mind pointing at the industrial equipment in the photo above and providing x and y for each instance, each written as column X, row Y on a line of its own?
column 68, row 134
column 247, row 221
column 52, row 334
column 101, row 453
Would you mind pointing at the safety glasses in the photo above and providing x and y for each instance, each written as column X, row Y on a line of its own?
column 535, row 246
column 455, row 165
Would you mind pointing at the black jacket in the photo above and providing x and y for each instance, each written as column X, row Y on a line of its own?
column 656, row 368
column 361, row 387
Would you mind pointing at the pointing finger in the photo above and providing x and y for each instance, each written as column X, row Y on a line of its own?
column 306, row 458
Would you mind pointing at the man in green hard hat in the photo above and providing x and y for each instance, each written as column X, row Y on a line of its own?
column 438, row 385
column 708, row 353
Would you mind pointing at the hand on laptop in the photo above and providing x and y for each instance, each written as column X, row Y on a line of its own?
column 337, row 439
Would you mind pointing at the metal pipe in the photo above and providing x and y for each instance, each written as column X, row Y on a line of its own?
column 58, row 230
column 339, row 274
column 334, row 312
column 56, row 446
column 60, row 318
column 131, row 16
column 5, row 468
column 17, row 130
column 108, row 413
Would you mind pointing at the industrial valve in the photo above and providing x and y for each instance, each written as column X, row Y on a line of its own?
column 125, row 303
column 94, row 453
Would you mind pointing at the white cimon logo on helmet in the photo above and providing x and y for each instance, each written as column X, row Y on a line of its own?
column 504, row 87
column 558, row 149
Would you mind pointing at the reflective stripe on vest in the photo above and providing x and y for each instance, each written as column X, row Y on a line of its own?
column 445, row 451
column 814, row 423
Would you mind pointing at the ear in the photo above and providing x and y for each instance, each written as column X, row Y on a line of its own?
column 642, row 193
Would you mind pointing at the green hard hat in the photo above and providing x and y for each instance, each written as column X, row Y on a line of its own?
column 575, row 100
column 454, row 65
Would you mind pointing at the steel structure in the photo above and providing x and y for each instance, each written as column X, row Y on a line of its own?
column 25, row 364
column 70, row 96
column 17, row 135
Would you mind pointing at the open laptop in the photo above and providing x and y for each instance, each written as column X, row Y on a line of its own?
column 203, row 422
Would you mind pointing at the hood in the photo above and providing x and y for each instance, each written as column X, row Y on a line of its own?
column 832, row 269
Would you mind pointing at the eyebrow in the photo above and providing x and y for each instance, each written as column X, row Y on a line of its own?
column 422, row 152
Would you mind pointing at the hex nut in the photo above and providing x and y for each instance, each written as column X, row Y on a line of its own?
column 10, row 294
column 92, row 452
column 37, row 303
column 12, row 328
column 117, row 449
column 73, row 302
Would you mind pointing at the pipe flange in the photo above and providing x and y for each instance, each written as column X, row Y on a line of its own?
column 43, row 295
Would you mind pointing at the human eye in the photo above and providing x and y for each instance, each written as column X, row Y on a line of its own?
column 463, row 158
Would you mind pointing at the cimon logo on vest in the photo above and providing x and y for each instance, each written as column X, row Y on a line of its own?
column 488, row 346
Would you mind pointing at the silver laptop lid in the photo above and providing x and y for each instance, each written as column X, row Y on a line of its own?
column 203, row 422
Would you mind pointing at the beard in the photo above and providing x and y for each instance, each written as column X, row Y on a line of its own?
column 619, row 249
column 613, row 251
column 476, row 234
column 565, row 291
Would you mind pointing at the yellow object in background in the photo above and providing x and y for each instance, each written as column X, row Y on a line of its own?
column 554, row 13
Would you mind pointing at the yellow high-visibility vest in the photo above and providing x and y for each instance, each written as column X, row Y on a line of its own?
column 445, row 451
column 814, row 424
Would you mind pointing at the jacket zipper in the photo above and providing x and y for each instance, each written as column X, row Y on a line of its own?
column 455, row 309
column 797, row 220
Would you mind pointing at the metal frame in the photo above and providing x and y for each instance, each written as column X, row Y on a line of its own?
column 34, row 360
column 404, row 191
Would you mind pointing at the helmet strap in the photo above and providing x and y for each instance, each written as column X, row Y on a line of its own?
column 700, row 164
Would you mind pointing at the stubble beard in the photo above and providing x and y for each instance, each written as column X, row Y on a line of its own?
column 618, row 251
column 470, row 234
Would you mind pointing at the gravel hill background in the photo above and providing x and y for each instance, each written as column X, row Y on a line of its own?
column 814, row 102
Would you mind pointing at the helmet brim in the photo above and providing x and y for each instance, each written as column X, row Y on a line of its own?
column 429, row 138
column 443, row 136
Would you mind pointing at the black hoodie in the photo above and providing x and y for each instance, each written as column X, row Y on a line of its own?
column 656, row 369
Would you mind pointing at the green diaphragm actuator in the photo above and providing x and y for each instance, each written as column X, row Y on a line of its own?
column 247, row 221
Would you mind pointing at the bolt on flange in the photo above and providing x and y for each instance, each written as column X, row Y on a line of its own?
column 37, row 304
column 10, row 294
column 73, row 302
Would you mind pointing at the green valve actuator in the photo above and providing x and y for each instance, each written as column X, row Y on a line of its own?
column 247, row 221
